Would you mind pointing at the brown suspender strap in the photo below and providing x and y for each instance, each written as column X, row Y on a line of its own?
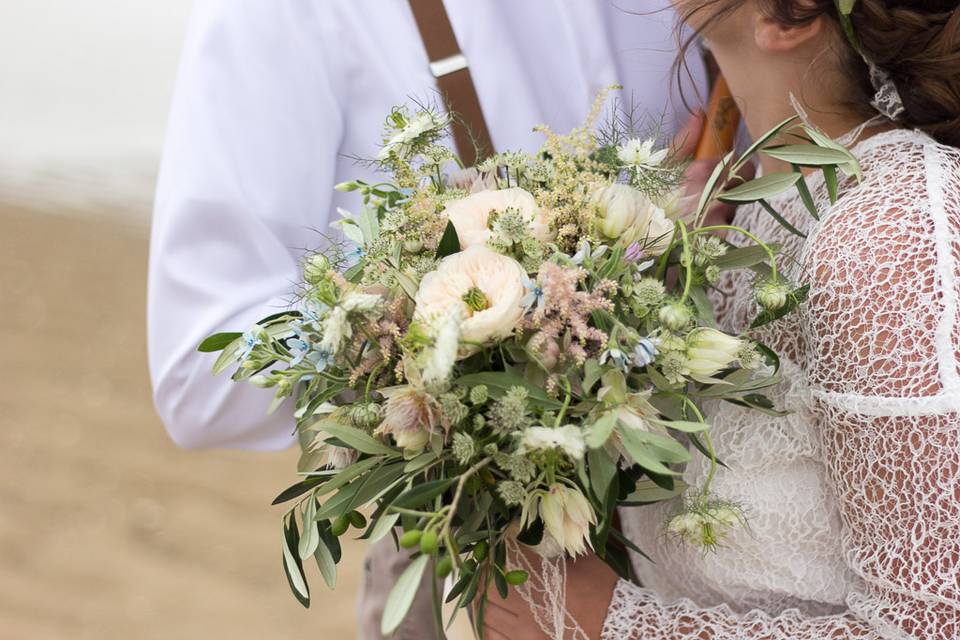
column 449, row 67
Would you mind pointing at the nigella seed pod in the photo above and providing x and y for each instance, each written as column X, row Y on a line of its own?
column 772, row 295
column 316, row 269
column 675, row 315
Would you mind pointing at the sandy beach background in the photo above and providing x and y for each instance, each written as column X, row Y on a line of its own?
column 107, row 530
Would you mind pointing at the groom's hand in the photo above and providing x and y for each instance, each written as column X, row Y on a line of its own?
column 590, row 584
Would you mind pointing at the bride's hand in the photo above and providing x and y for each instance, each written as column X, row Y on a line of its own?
column 590, row 585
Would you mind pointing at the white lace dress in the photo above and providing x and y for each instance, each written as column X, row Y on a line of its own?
column 854, row 499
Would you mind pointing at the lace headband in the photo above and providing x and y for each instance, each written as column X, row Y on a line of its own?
column 886, row 99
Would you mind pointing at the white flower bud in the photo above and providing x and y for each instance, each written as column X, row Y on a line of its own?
column 675, row 315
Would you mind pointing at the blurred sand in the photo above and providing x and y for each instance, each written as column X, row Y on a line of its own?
column 107, row 530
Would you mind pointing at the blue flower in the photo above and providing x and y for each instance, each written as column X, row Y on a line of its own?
column 299, row 348
column 320, row 359
column 645, row 352
column 586, row 253
column 251, row 339
column 534, row 294
column 617, row 357
column 355, row 254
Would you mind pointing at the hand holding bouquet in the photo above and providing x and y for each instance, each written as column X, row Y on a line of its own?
column 509, row 353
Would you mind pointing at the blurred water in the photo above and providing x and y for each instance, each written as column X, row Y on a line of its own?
column 84, row 90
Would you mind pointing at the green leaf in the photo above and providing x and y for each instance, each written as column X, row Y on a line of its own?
column 794, row 300
column 704, row 307
column 421, row 461
column 765, row 187
column 591, row 374
column 648, row 492
column 298, row 490
column 764, row 139
column 310, row 537
column 758, row 402
column 361, row 491
column 369, row 224
column 602, row 471
column 218, row 342
column 291, row 562
column 682, row 425
column 643, row 453
column 779, row 218
column 383, row 526
column 355, row 438
column 807, row 155
column 830, row 179
column 423, row 493
column 744, row 257
column 449, row 243
column 805, row 196
column 228, row 356
column 600, row 431
column 402, row 595
column 711, row 185
column 326, row 564
column 498, row 382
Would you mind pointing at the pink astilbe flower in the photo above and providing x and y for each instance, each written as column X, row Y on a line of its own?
column 387, row 331
column 563, row 321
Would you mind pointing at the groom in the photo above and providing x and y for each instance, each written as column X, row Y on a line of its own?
column 273, row 100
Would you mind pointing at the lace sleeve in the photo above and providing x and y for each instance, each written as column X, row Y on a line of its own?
column 882, row 335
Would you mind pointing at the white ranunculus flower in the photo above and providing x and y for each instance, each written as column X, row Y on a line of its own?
column 709, row 351
column 491, row 282
column 626, row 215
column 567, row 516
column 471, row 215
column 568, row 438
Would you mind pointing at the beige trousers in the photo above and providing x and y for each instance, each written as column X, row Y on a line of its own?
column 381, row 568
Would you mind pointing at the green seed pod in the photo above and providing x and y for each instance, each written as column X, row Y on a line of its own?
column 410, row 539
column 516, row 577
column 480, row 551
column 340, row 526
column 429, row 542
column 444, row 567
column 357, row 519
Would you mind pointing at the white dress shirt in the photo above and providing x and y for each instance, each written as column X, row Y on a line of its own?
column 273, row 97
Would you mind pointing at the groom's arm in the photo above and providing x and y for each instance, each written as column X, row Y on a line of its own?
column 248, row 170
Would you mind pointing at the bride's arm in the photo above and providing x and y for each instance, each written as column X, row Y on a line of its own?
column 883, row 345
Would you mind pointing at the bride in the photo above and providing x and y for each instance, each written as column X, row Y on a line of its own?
column 853, row 499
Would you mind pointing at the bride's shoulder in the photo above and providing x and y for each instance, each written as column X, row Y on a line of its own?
column 910, row 186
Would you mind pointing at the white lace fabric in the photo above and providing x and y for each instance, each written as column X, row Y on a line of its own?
column 853, row 500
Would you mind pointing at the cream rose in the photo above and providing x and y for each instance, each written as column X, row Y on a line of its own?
column 626, row 215
column 471, row 215
column 485, row 285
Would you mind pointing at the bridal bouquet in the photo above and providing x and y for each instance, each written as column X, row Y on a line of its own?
column 508, row 353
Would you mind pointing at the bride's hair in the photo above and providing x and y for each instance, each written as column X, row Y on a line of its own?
column 916, row 42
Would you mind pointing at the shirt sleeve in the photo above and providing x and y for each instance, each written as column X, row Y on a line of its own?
column 882, row 335
column 247, row 175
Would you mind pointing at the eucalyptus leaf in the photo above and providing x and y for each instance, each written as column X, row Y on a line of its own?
column 807, row 155
column 355, row 438
column 402, row 595
column 764, row 187
column 291, row 562
column 326, row 564
column 218, row 342
column 310, row 537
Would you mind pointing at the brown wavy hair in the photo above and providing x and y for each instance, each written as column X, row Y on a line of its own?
column 917, row 42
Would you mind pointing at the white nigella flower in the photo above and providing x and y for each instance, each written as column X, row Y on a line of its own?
column 400, row 143
column 626, row 215
column 641, row 153
column 709, row 351
column 568, row 438
column 488, row 287
column 441, row 356
column 706, row 525
column 567, row 517
column 471, row 215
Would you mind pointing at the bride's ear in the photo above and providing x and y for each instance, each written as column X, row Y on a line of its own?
column 774, row 37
